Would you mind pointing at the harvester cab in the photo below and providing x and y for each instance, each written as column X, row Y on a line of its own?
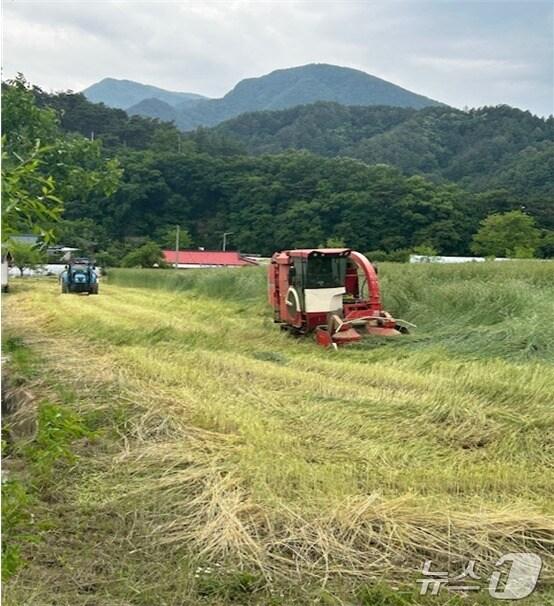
column 79, row 276
column 332, row 292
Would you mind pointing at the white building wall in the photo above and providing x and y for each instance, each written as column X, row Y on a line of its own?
column 442, row 259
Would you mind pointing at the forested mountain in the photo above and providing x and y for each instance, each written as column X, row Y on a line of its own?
column 207, row 183
column 153, row 108
column 285, row 88
column 492, row 146
column 122, row 94
column 113, row 127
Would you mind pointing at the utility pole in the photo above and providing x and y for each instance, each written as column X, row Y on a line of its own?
column 227, row 233
column 177, row 248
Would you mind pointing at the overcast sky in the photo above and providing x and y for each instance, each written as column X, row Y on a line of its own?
column 457, row 51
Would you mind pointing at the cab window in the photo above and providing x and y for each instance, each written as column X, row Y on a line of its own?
column 325, row 272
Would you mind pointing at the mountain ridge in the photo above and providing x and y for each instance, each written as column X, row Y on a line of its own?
column 282, row 89
column 123, row 94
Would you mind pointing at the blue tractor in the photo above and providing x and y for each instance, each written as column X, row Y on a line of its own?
column 79, row 276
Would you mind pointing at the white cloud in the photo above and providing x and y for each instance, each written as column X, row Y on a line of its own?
column 207, row 47
column 451, row 65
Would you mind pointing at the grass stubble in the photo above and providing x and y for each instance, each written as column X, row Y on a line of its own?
column 226, row 462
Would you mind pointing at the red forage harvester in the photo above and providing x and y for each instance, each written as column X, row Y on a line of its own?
column 331, row 292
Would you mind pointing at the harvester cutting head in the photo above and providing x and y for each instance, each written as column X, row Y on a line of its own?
column 332, row 292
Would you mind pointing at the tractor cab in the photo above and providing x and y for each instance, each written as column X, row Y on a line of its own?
column 79, row 277
column 333, row 292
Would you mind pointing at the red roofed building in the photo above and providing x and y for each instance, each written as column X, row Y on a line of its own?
column 189, row 259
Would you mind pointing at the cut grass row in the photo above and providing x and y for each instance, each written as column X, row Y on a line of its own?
column 280, row 467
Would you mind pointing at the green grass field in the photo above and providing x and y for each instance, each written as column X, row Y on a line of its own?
column 185, row 451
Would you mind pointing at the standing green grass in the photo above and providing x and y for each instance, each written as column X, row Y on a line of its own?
column 477, row 310
column 230, row 463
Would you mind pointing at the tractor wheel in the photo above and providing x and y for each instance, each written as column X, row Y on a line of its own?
column 64, row 289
